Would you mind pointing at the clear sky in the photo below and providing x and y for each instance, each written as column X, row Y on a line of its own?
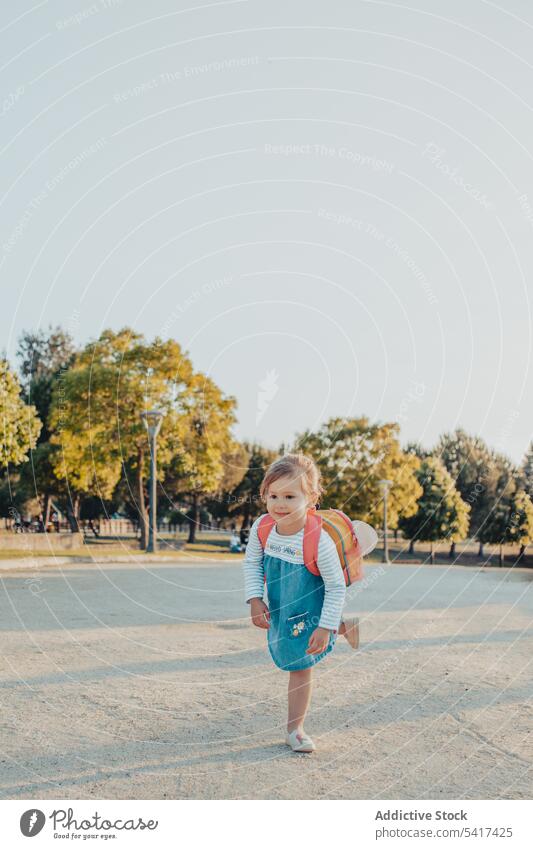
column 329, row 205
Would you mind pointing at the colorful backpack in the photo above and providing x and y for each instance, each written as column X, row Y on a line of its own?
column 340, row 529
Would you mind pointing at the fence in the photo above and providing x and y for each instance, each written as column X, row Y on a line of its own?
column 101, row 527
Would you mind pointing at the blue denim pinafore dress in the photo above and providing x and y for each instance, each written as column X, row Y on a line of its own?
column 295, row 599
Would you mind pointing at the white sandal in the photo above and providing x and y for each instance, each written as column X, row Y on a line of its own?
column 352, row 631
column 299, row 742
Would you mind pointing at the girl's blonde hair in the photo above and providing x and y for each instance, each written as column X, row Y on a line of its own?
column 294, row 466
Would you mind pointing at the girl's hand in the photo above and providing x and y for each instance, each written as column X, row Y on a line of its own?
column 318, row 641
column 260, row 613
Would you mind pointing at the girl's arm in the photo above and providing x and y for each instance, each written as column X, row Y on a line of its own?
column 254, row 584
column 334, row 583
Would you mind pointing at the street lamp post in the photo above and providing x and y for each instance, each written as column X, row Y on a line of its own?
column 385, row 484
column 152, row 420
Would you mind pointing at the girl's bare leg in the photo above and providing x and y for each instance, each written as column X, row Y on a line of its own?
column 300, row 686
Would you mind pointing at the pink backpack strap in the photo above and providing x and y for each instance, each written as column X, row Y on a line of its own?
column 266, row 523
column 313, row 527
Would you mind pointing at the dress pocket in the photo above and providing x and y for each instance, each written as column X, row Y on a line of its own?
column 298, row 625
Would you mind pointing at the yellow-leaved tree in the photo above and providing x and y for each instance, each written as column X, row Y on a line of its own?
column 19, row 423
column 353, row 455
column 209, row 456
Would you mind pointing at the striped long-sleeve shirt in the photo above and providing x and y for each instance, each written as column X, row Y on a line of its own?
column 290, row 548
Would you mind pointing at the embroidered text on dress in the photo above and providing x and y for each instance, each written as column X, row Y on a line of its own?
column 283, row 549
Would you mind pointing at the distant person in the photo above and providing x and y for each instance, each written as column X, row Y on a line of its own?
column 234, row 543
column 244, row 537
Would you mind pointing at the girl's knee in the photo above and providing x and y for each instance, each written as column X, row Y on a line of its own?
column 301, row 674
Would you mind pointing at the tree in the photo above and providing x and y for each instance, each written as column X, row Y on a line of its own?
column 501, row 478
column 220, row 505
column 471, row 464
column 242, row 499
column 95, row 414
column 198, row 469
column 511, row 520
column 417, row 449
column 37, row 480
column 353, row 456
column 511, row 523
column 42, row 357
column 20, row 424
column 526, row 471
column 521, row 521
column 441, row 512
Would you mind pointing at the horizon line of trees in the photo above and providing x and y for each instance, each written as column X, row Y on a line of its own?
column 72, row 437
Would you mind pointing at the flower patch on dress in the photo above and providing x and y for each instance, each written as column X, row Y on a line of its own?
column 298, row 625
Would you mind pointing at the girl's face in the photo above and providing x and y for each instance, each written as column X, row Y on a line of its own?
column 288, row 503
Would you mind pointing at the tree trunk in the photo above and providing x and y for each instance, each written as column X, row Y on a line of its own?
column 47, row 510
column 431, row 553
column 501, row 558
column 141, row 506
column 521, row 554
column 193, row 521
column 451, row 555
column 73, row 514
column 246, row 516
column 481, row 553
column 412, row 547
column 395, row 534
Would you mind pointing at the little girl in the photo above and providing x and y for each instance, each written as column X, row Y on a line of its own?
column 305, row 609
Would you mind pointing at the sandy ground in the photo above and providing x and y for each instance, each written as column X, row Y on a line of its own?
column 148, row 682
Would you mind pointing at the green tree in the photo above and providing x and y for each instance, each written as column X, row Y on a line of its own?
column 353, row 456
column 43, row 356
column 95, row 414
column 417, row 449
column 500, row 484
column 473, row 468
column 521, row 521
column 242, row 499
column 441, row 512
column 220, row 505
column 37, row 480
column 511, row 519
column 20, row 424
column 526, row 471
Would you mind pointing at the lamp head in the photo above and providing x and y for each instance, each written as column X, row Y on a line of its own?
column 152, row 420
